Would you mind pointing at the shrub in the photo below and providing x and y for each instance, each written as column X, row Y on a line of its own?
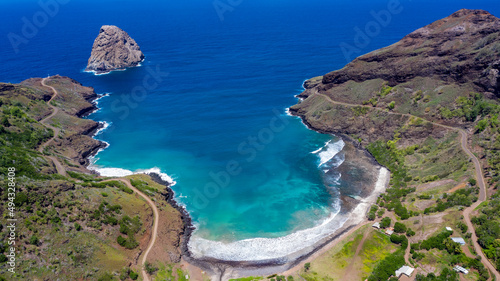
column 34, row 240
column 78, row 227
column 106, row 277
column 150, row 269
column 481, row 125
column 121, row 241
column 462, row 226
column 133, row 275
column 391, row 105
column 307, row 266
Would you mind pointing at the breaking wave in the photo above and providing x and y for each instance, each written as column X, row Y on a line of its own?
column 329, row 151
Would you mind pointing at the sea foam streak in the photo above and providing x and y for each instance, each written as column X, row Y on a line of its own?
column 105, row 125
column 258, row 249
column 329, row 151
column 119, row 172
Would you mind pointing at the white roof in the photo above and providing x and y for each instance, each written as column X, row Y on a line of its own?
column 389, row 231
column 377, row 225
column 458, row 240
column 449, row 228
column 405, row 270
column 460, row 269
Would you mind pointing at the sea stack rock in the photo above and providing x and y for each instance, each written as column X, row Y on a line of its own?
column 113, row 49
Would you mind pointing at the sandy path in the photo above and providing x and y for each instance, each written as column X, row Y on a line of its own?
column 154, row 233
column 349, row 273
column 55, row 110
column 477, row 166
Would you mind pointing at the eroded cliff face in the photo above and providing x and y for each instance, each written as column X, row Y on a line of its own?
column 461, row 48
column 420, row 75
column 113, row 49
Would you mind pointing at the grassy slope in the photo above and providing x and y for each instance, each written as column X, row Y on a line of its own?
column 432, row 157
column 67, row 227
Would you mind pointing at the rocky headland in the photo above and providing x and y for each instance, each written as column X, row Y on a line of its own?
column 75, row 214
column 422, row 74
column 113, row 49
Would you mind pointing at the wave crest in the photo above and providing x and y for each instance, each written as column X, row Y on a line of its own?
column 119, row 172
column 329, row 151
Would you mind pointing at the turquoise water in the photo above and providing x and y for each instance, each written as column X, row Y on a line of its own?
column 212, row 113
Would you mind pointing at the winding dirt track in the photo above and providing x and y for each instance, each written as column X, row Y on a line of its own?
column 55, row 110
column 477, row 166
column 154, row 233
column 62, row 171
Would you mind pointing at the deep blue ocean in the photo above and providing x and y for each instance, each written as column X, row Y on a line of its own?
column 208, row 105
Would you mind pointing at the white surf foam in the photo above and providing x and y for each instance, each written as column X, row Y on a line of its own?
column 96, row 101
column 105, row 125
column 119, row 172
column 327, row 152
column 95, row 72
column 290, row 246
column 258, row 249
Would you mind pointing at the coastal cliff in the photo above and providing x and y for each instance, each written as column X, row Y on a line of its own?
column 113, row 49
column 423, row 74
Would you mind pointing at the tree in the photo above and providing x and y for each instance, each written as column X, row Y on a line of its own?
column 386, row 222
column 472, row 181
column 399, row 227
column 307, row 266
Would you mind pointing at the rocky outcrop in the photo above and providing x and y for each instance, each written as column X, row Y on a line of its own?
column 113, row 49
column 461, row 48
column 421, row 75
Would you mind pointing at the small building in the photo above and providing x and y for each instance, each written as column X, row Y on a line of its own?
column 449, row 229
column 406, row 270
column 376, row 225
column 458, row 268
column 389, row 231
column 458, row 240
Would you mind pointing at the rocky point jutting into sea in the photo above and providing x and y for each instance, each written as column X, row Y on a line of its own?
column 452, row 56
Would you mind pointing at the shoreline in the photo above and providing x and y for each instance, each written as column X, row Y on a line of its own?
column 225, row 269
